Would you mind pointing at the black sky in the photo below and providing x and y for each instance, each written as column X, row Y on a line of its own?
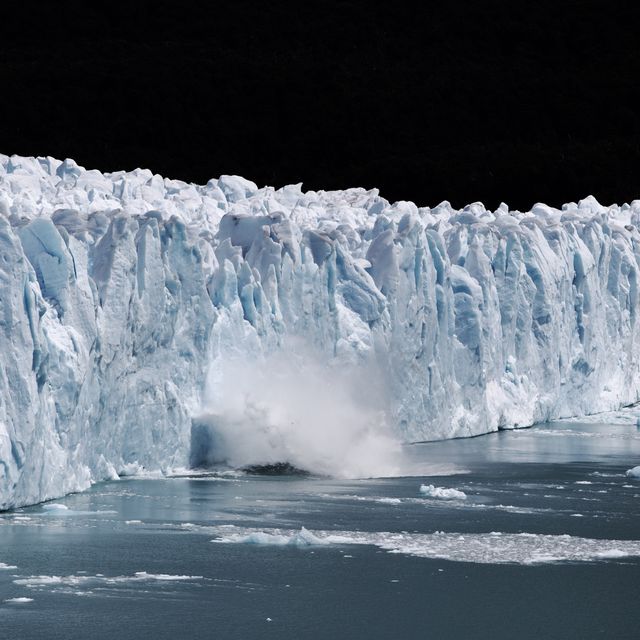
column 494, row 101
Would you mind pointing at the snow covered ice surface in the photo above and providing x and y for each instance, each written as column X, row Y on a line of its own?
column 148, row 324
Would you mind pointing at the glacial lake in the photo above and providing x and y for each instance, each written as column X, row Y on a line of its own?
column 518, row 534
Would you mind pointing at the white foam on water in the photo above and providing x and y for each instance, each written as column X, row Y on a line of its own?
column 431, row 501
column 581, row 433
column 163, row 577
column 432, row 470
column 356, row 498
column 60, row 510
column 71, row 583
column 634, row 472
column 509, row 508
column 19, row 600
column 7, row 566
column 484, row 548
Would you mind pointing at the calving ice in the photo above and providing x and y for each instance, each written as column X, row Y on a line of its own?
column 147, row 323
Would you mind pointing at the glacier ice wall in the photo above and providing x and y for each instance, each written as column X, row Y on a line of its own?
column 122, row 294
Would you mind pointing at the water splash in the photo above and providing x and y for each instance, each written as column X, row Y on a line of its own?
column 294, row 406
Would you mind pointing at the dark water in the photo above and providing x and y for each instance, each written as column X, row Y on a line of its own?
column 138, row 558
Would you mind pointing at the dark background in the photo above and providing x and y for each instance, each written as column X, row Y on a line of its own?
column 494, row 101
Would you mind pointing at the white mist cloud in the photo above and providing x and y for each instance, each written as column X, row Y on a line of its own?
column 296, row 407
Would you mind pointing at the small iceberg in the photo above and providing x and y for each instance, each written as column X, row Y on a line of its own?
column 55, row 506
column 442, row 493
column 302, row 538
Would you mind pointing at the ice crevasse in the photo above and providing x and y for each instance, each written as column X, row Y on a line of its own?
column 123, row 295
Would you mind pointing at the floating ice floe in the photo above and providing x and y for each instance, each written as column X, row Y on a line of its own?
column 54, row 506
column 484, row 548
column 442, row 493
column 74, row 583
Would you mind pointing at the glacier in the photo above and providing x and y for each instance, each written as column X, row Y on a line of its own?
column 152, row 324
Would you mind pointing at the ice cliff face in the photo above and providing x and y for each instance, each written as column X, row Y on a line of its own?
column 123, row 295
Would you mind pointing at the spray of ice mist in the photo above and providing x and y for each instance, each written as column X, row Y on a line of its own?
column 323, row 417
